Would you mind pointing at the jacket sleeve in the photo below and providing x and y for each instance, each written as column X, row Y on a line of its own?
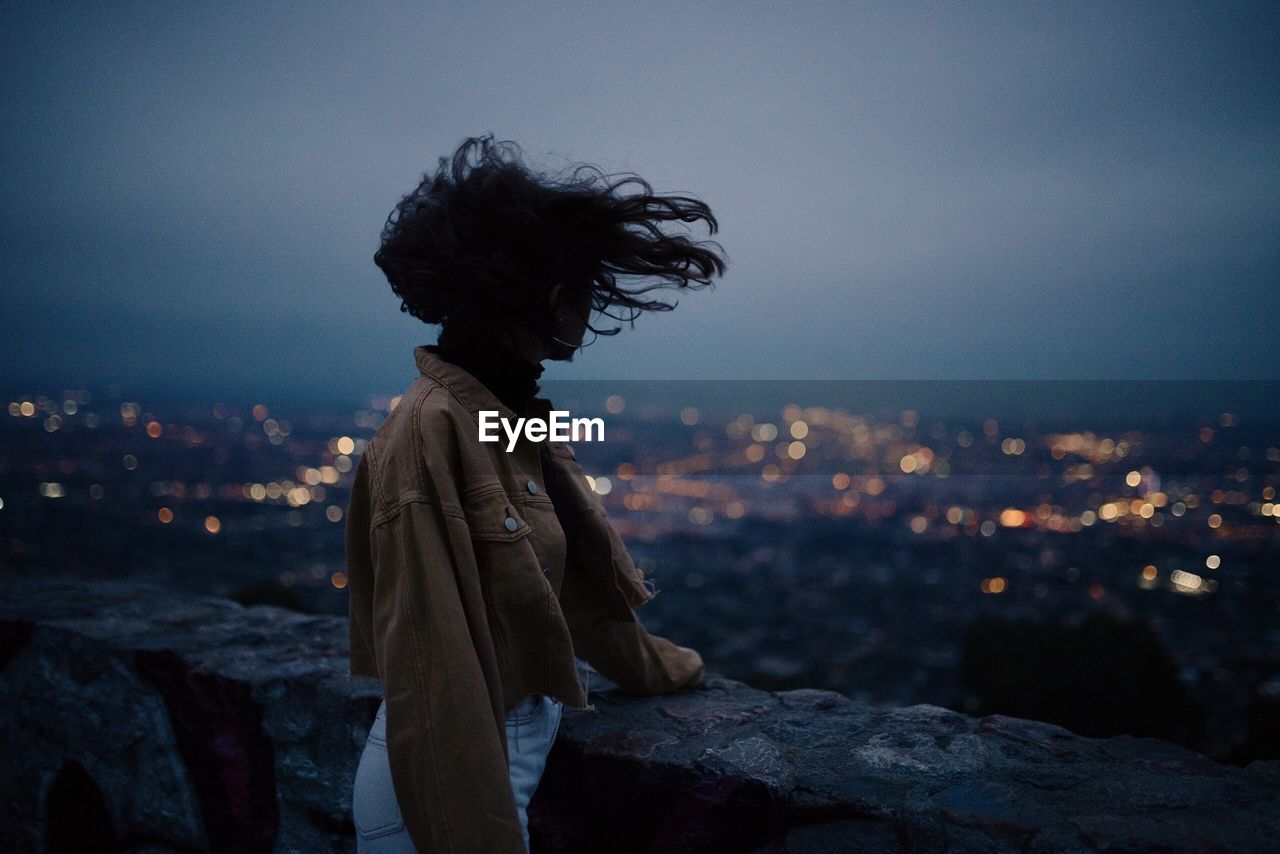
column 446, row 733
column 599, row 597
column 639, row 662
column 361, row 661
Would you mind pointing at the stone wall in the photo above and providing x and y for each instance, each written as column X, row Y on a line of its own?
column 140, row 720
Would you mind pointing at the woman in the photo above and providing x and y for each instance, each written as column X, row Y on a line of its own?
column 477, row 575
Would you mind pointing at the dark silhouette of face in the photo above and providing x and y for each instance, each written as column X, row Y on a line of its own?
column 571, row 315
column 569, row 326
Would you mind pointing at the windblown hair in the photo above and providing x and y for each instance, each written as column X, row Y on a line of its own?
column 479, row 240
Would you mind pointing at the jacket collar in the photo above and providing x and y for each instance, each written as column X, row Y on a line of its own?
column 474, row 394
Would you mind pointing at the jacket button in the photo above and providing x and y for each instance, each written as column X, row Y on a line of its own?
column 533, row 486
column 512, row 524
column 546, row 570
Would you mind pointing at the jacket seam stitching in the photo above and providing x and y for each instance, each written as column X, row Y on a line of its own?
column 496, row 623
column 376, row 478
column 418, row 659
column 414, row 498
column 483, row 490
column 549, row 631
column 419, row 453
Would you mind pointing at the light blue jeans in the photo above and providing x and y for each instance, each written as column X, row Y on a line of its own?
column 531, row 730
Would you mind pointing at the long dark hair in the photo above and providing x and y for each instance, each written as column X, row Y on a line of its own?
column 478, row 240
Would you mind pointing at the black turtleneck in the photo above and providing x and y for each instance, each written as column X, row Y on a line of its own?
column 514, row 381
column 511, row 378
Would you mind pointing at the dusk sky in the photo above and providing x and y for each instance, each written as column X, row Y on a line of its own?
column 945, row 190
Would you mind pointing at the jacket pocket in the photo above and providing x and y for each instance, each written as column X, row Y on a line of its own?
column 505, row 557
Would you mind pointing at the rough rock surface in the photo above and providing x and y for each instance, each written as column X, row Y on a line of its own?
column 148, row 721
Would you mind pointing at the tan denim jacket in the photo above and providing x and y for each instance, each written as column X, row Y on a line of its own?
column 464, row 598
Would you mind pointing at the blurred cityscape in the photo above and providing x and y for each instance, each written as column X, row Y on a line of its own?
column 1111, row 577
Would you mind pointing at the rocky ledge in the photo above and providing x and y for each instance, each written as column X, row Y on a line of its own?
column 135, row 719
